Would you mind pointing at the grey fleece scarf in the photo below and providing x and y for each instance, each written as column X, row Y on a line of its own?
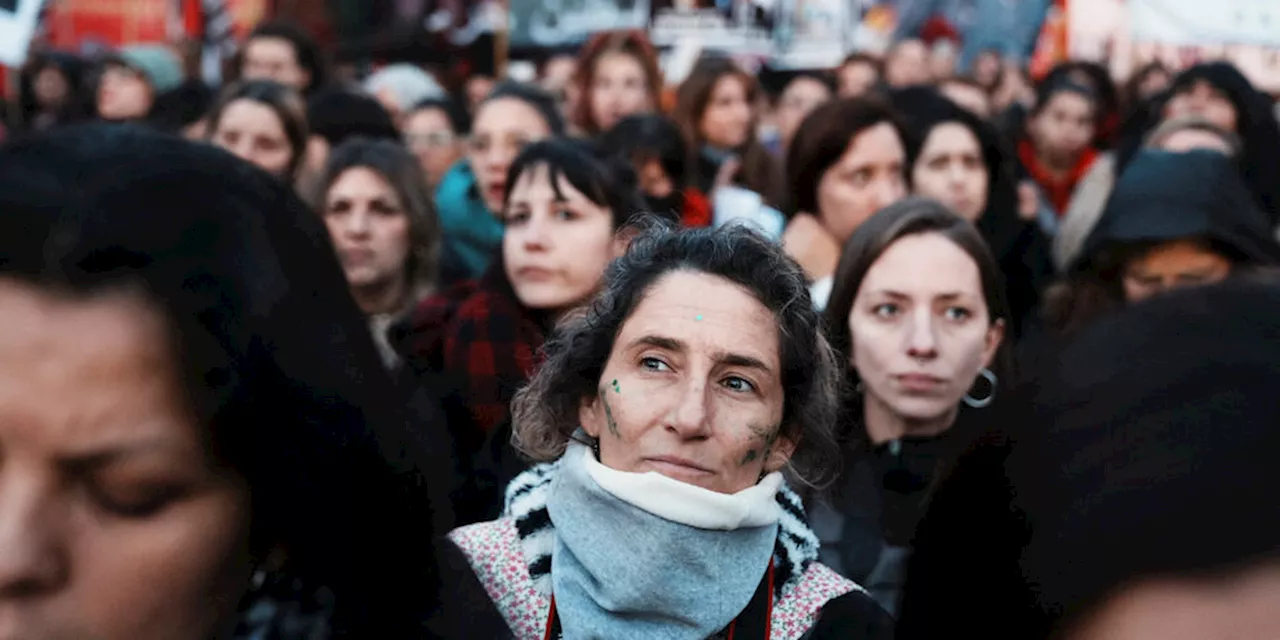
column 621, row 572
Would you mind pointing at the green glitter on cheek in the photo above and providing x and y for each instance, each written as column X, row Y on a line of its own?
column 616, row 388
column 698, row 318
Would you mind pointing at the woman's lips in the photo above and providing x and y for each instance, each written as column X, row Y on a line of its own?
column 676, row 467
column 534, row 273
column 355, row 257
column 919, row 382
column 496, row 192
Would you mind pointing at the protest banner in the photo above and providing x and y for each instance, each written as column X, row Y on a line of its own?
column 552, row 23
column 1127, row 34
column 787, row 34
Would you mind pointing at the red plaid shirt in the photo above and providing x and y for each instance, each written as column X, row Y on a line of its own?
column 481, row 338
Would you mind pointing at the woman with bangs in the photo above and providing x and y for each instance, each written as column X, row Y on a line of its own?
column 470, row 195
column 562, row 215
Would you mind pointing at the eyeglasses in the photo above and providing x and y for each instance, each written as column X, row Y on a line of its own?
column 433, row 140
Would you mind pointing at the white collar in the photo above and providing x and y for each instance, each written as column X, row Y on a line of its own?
column 687, row 504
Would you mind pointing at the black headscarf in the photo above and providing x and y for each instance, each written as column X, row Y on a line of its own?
column 1259, row 161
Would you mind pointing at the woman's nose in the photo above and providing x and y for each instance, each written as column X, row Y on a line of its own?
column 689, row 416
column 32, row 558
column 357, row 223
column 888, row 191
column 922, row 341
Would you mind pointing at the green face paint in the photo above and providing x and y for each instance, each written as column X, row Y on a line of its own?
column 608, row 415
column 768, row 434
column 749, row 458
column 616, row 388
column 698, row 318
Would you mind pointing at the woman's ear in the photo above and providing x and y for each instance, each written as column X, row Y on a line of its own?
column 622, row 240
column 780, row 454
column 994, row 337
column 589, row 416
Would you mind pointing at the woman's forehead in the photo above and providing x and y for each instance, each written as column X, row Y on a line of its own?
column 704, row 312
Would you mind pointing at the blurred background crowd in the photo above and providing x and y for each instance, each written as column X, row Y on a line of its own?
column 1051, row 164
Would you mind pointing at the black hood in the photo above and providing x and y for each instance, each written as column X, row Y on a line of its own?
column 1256, row 125
column 1163, row 196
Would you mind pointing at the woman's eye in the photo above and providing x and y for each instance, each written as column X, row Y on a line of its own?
column 736, row 383
column 517, row 218
column 565, row 214
column 385, row 209
column 143, row 504
column 886, row 310
column 861, row 177
column 654, row 364
column 958, row 313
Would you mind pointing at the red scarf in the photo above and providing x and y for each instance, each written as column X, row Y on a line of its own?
column 1057, row 191
column 696, row 212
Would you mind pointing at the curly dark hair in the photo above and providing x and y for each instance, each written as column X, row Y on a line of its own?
column 545, row 413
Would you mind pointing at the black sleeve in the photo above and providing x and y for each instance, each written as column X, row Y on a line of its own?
column 465, row 610
column 852, row 616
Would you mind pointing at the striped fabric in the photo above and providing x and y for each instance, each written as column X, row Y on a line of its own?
column 218, row 27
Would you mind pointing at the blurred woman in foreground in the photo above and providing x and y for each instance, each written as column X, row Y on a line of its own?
column 185, row 452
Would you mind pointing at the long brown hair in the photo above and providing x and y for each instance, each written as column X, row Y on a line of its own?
column 909, row 217
column 759, row 171
column 630, row 43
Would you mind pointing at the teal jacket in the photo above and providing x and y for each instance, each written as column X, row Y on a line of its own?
column 472, row 235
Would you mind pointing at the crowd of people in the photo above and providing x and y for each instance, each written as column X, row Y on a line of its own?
column 893, row 348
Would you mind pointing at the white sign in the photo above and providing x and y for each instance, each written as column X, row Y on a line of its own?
column 1198, row 22
column 1126, row 34
column 789, row 34
column 17, row 25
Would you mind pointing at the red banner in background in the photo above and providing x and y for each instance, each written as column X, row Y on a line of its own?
column 1051, row 46
column 85, row 25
